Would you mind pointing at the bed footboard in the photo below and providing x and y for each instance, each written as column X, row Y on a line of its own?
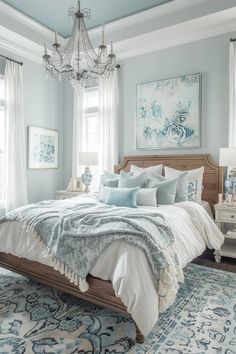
column 100, row 291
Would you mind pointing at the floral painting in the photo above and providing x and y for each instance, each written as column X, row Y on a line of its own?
column 168, row 113
column 42, row 148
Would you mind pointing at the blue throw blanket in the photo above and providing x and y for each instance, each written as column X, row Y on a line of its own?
column 75, row 233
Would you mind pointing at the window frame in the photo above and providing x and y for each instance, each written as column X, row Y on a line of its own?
column 2, row 107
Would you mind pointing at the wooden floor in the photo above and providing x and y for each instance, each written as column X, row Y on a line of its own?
column 207, row 259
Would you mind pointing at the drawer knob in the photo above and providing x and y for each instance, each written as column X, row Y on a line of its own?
column 232, row 216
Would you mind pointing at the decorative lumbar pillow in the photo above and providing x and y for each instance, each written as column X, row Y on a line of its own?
column 192, row 176
column 147, row 197
column 126, row 197
column 154, row 171
column 128, row 180
column 166, row 190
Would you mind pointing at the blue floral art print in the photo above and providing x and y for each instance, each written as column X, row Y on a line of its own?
column 42, row 148
column 45, row 149
column 168, row 113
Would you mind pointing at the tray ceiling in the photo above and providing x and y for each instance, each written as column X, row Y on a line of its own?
column 53, row 13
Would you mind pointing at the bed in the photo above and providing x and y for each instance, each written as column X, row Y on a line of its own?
column 101, row 291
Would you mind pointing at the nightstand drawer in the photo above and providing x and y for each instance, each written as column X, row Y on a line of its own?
column 226, row 215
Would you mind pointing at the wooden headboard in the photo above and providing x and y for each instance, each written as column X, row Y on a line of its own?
column 213, row 174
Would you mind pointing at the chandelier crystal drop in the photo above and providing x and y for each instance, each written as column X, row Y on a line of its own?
column 79, row 61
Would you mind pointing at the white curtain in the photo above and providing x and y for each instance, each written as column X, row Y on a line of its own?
column 78, row 130
column 16, row 185
column 108, row 105
column 232, row 95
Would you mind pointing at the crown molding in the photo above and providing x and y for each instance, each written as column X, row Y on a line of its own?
column 216, row 23
column 17, row 16
column 146, row 15
column 19, row 45
column 201, row 28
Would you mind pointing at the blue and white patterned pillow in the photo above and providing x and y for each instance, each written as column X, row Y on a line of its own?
column 192, row 190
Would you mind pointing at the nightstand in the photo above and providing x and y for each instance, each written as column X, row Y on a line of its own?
column 225, row 217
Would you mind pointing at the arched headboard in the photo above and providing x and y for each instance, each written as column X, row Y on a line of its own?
column 212, row 178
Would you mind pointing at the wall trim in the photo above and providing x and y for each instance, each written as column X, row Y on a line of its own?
column 214, row 24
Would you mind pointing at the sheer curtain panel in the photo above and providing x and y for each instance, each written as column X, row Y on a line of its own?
column 78, row 130
column 232, row 95
column 16, row 184
column 108, row 104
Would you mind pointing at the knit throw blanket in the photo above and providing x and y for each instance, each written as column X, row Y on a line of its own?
column 75, row 233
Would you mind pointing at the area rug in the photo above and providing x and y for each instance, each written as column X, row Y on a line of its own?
column 38, row 319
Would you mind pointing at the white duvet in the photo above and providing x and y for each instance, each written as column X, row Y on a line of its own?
column 126, row 265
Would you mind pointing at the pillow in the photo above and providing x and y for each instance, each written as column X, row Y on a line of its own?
column 110, row 175
column 154, row 171
column 147, row 197
column 126, row 197
column 182, row 188
column 192, row 190
column 111, row 182
column 166, row 190
column 192, row 175
column 128, row 180
column 108, row 179
column 102, row 195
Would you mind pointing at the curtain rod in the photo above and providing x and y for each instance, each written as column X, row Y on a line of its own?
column 232, row 39
column 14, row 61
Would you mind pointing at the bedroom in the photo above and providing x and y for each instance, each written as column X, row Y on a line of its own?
column 165, row 50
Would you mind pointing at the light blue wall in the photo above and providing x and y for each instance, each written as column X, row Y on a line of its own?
column 43, row 107
column 211, row 58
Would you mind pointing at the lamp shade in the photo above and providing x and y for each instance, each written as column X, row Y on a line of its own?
column 88, row 158
column 227, row 157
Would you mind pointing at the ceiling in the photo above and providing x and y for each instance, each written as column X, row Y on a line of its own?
column 53, row 13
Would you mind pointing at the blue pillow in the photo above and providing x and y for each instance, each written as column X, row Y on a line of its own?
column 128, row 180
column 182, row 188
column 126, row 197
column 111, row 182
column 166, row 190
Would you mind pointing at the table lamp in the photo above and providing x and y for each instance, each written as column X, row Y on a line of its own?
column 228, row 159
column 87, row 159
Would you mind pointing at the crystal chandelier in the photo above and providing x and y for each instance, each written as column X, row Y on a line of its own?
column 78, row 61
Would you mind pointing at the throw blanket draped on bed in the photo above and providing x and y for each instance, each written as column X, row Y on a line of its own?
column 75, row 233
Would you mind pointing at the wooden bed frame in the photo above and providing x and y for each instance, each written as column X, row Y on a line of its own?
column 100, row 291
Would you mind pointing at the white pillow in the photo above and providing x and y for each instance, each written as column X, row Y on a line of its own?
column 192, row 175
column 103, row 193
column 155, row 171
column 147, row 197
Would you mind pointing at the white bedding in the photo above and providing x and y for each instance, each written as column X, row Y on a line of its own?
column 126, row 265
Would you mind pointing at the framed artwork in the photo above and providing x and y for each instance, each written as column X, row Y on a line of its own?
column 42, row 148
column 168, row 113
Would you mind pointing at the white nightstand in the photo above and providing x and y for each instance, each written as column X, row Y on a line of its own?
column 226, row 216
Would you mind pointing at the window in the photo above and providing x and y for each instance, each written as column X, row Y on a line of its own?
column 2, row 144
column 91, row 103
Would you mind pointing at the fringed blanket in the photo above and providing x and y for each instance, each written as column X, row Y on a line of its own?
column 75, row 233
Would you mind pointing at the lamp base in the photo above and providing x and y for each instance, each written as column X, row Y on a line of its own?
column 87, row 179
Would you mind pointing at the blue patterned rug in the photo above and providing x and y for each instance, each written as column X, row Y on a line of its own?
column 38, row 319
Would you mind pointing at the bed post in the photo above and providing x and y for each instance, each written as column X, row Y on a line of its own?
column 139, row 336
